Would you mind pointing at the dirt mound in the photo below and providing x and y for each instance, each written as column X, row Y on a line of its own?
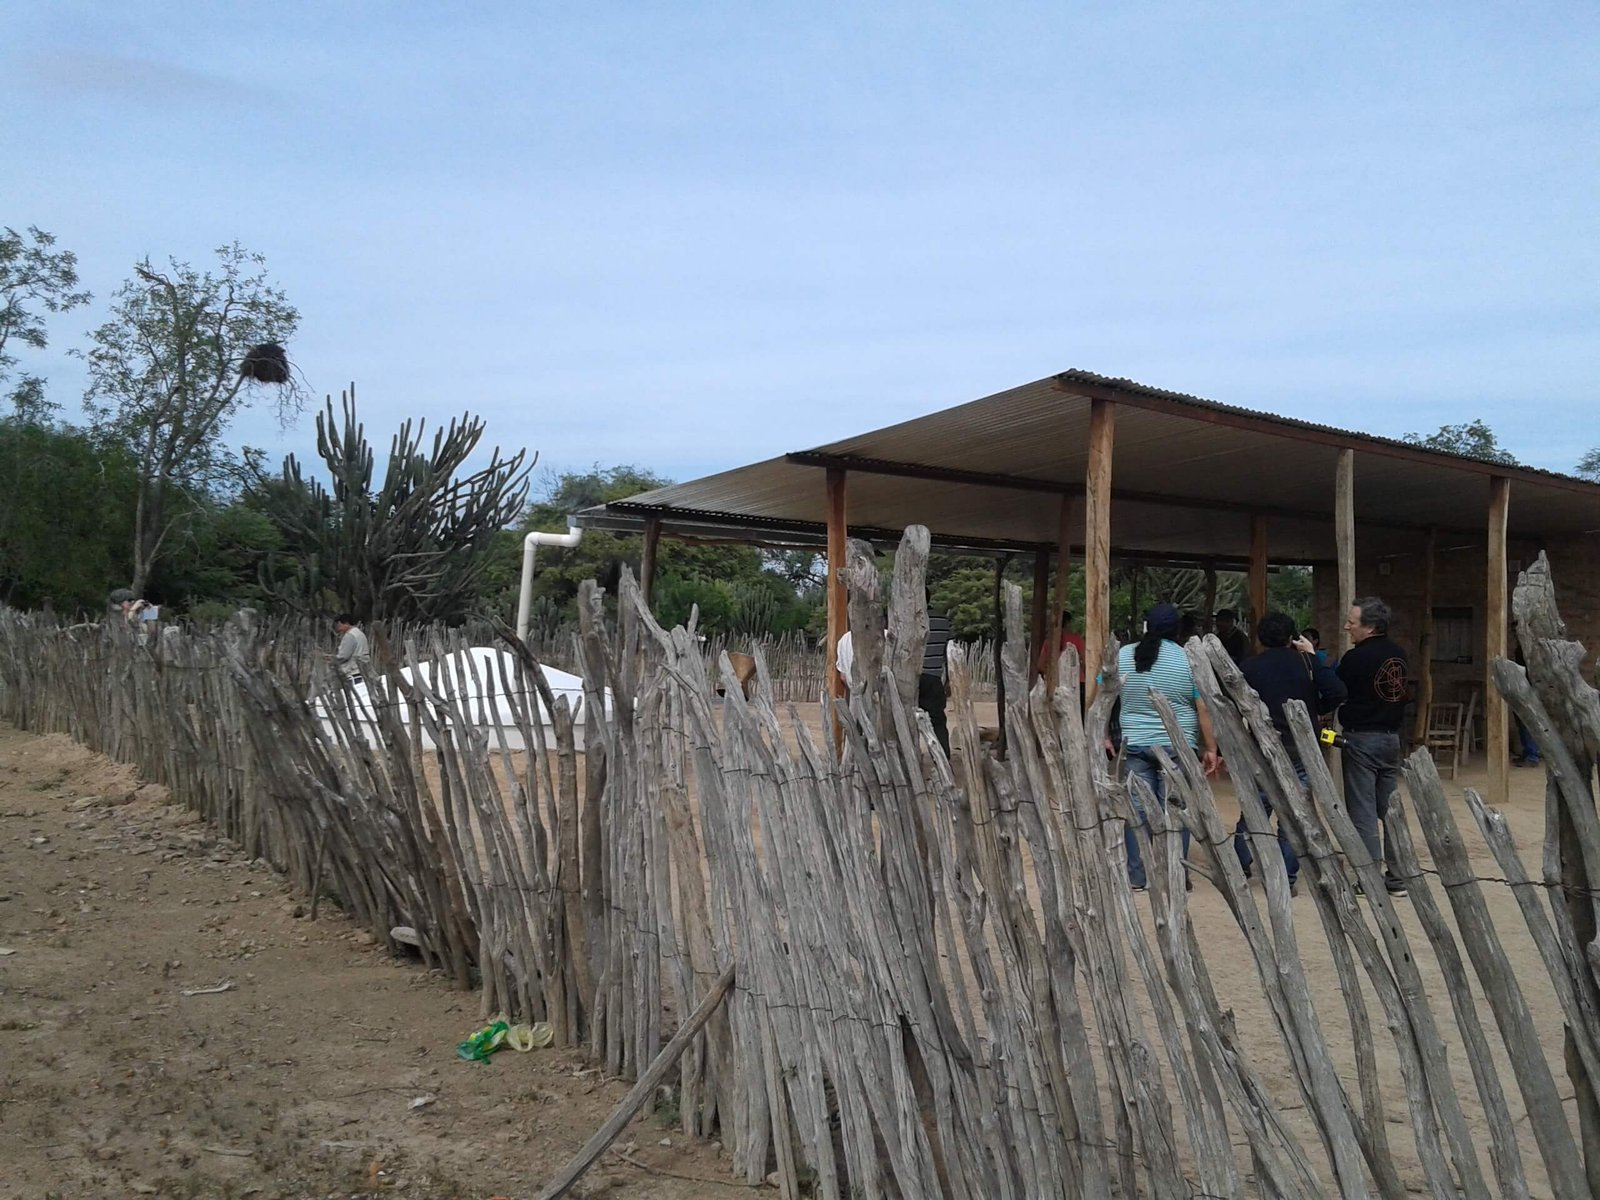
column 125, row 1072
column 56, row 766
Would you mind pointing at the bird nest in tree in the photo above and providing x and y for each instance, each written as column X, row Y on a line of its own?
column 266, row 363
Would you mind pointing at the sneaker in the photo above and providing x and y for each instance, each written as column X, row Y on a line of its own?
column 1139, row 887
column 1294, row 887
column 1395, row 885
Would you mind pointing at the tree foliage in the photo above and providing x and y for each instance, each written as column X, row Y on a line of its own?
column 414, row 547
column 35, row 279
column 219, row 560
column 66, row 518
column 737, row 589
column 1471, row 438
column 164, row 377
column 1589, row 465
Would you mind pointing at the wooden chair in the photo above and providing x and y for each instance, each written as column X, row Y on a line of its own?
column 1473, row 735
column 1446, row 735
column 1471, row 731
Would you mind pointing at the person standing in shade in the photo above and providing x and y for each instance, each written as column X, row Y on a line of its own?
column 1233, row 638
column 1286, row 669
column 1157, row 665
column 1374, row 673
column 1069, row 637
column 930, row 684
column 353, row 650
column 1315, row 638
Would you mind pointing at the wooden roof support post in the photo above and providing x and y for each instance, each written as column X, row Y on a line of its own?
column 1496, row 731
column 1258, row 576
column 999, row 649
column 1430, row 554
column 1063, row 571
column 838, row 602
column 1097, row 539
column 647, row 559
column 1040, row 627
column 1344, row 528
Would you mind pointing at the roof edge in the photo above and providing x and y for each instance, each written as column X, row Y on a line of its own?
column 1127, row 391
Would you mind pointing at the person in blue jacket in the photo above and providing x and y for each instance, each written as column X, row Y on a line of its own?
column 1156, row 665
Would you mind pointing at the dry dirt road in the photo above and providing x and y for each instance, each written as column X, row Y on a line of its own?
column 298, row 1081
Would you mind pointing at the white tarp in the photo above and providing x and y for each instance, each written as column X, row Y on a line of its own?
column 476, row 680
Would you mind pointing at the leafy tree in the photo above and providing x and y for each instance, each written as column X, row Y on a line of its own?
column 218, row 558
column 1589, row 465
column 165, row 377
column 413, row 548
column 566, row 492
column 675, row 596
column 66, row 519
column 34, row 280
column 738, row 588
column 1472, row 438
column 1289, row 591
column 966, row 596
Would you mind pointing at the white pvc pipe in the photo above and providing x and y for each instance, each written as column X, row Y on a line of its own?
column 530, row 545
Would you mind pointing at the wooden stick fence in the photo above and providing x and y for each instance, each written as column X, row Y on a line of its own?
column 943, row 984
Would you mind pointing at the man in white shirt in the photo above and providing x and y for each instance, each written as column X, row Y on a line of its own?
column 353, row 648
column 844, row 657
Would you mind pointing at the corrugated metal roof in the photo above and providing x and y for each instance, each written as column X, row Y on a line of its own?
column 1187, row 472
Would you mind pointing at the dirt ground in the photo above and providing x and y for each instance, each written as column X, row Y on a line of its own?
column 301, row 1080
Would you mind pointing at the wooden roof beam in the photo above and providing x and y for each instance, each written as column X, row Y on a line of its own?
column 1025, row 483
column 621, row 517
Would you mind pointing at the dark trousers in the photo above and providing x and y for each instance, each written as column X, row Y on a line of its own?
column 930, row 699
column 1142, row 762
column 1241, row 842
column 1371, row 777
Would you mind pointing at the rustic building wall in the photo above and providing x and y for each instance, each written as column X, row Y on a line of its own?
column 1389, row 564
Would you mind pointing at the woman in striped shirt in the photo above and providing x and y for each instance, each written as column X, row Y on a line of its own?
column 1157, row 665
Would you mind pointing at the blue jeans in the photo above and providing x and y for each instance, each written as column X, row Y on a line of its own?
column 1371, row 777
column 1241, row 842
column 1530, row 748
column 1141, row 761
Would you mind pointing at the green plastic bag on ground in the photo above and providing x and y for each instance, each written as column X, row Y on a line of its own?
column 485, row 1042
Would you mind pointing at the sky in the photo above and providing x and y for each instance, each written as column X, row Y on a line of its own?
column 692, row 236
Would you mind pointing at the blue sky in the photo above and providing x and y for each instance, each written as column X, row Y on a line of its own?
column 694, row 235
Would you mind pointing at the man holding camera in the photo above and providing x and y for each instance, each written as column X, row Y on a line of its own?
column 1374, row 671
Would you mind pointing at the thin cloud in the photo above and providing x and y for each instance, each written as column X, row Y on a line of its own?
column 88, row 74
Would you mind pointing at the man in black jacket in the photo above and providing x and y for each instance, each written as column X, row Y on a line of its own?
column 1286, row 669
column 1233, row 638
column 1374, row 671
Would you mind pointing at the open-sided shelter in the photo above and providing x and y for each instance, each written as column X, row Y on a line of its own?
column 1079, row 465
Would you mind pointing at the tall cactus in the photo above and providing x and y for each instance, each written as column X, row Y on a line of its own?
column 412, row 548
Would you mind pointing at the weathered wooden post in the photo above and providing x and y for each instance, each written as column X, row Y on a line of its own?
column 1496, row 731
column 1258, row 575
column 1344, row 529
column 1097, row 540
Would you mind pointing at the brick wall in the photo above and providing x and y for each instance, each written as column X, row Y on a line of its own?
column 1389, row 564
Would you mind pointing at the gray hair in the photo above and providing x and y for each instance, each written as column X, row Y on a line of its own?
column 1374, row 613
